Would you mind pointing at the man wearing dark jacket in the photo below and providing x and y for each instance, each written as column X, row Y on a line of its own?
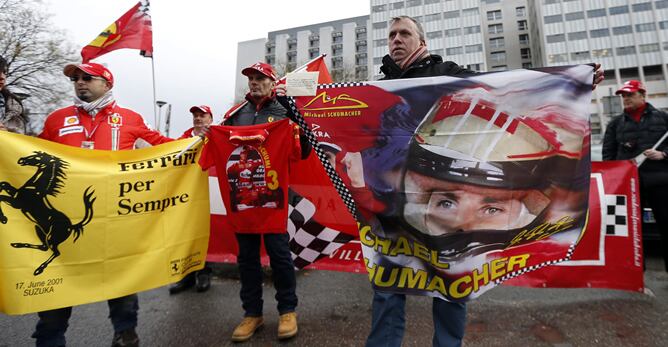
column 633, row 132
column 262, row 107
column 409, row 58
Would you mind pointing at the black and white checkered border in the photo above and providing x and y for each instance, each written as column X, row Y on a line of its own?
column 521, row 272
column 342, row 85
column 331, row 172
column 310, row 240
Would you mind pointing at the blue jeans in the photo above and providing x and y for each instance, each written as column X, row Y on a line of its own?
column 388, row 321
column 250, row 271
column 51, row 327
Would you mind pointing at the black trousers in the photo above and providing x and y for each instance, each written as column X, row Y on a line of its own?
column 250, row 270
column 657, row 198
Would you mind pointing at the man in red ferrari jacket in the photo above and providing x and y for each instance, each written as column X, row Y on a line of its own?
column 95, row 121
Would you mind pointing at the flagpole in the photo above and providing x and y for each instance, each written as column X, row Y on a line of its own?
column 155, row 103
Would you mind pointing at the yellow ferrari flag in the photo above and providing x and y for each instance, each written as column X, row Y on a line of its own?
column 78, row 226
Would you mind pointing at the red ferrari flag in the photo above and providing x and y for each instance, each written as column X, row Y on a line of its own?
column 132, row 30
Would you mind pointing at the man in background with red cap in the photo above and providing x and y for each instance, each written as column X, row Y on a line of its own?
column 636, row 131
column 202, row 118
column 263, row 107
column 95, row 121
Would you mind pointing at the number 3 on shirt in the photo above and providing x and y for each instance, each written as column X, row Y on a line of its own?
column 273, row 175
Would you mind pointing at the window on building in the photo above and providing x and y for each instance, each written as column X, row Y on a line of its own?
column 292, row 46
column 643, row 6
column 453, row 32
column 499, row 67
column 491, row 1
column 645, row 27
column 574, row 16
column 474, row 67
column 521, row 11
column 553, row 19
column 434, row 34
column 527, row 65
column 413, row 3
column 626, row 29
column 494, row 15
column 524, row 39
column 450, row 14
column 379, row 25
column 663, row 25
column 619, row 10
column 626, row 50
column 557, row 58
column 292, row 58
column 525, row 53
column 380, row 43
column 270, row 59
column 650, row 47
column 665, row 46
column 600, row 53
column 271, row 50
column 549, row 2
column 497, row 42
column 454, row 51
column 378, row 8
column 599, row 12
column 599, row 33
column 427, row 2
column 313, row 54
column 336, row 51
column 661, row 4
column 580, row 55
column 398, row 5
column 432, row 17
column 473, row 48
column 377, row 60
column 580, row 35
column 472, row 29
column 555, row 38
column 499, row 56
column 522, row 25
column 473, row 11
column 653, row 72
column 438, row 51
column 495, row 29
column 314, row 43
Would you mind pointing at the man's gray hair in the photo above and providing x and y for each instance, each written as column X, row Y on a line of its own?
column 420, row 30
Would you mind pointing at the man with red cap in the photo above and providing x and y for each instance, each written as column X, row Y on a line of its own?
column 95, row 121
column 202, row 118
column 263, row 107
column 636, row 131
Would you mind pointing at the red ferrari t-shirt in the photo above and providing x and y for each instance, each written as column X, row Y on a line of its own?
column 252, row 165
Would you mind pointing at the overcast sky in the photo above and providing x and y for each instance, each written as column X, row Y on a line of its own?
column 194, row 43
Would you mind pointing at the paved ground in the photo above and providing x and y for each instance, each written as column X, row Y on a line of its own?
column 334, row 310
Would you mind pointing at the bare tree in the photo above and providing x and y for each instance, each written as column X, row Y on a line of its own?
column 36, row 54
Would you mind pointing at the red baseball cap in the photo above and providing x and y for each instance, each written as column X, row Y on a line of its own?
column 262, row 68
column 631, row 86
column 203, row 108
column 92, row 69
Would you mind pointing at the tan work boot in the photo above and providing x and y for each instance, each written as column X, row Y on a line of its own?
column 287, row 325
column 247, row 328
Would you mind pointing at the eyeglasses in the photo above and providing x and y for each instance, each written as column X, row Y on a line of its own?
column 85, row 78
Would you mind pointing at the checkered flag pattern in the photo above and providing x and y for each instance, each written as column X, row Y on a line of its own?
column 521, row 272
column 616, row 216
column 331, row 172
column 310, row 240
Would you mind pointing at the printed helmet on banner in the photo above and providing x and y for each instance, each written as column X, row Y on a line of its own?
column 475, row 175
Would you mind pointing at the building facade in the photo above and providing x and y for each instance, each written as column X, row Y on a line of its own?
column 629, row 38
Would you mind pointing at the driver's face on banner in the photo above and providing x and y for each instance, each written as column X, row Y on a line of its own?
column 438, row 207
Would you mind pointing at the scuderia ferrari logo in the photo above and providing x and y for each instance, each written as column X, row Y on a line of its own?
column 128, row 190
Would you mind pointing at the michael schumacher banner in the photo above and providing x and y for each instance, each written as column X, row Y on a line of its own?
column 79, row 226
column 461, row 184
column 509, row 149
